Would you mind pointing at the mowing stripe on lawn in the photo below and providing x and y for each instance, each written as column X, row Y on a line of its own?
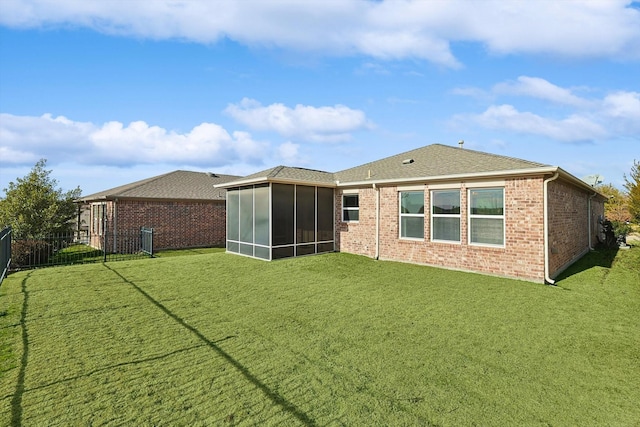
column 272, row 395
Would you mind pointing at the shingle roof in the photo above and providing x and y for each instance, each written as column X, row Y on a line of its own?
column 432, row 161
column 287, row 173
column 179, row 185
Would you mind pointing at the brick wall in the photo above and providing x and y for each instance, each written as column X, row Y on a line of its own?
column 357, row 237
column 176, row 224
column 569, row 224
column 522, row 257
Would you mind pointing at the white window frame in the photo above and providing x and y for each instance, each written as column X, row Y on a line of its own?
column 344, row 208
column 471, row 216
column 410, row 215
column 447, row 215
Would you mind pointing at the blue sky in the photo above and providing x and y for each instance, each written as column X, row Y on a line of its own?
column 110, row 92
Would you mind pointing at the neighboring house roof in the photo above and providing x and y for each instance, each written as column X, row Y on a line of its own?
column 178, row 185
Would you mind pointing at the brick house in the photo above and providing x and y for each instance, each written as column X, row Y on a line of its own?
column 436, row 205
column 184, row 209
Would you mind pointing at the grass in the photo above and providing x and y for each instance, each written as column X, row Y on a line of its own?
column 84, row 254
column 336, row 339
column 77, row 253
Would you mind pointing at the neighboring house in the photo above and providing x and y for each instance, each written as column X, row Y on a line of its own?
column 184, row 209
column 437, row 205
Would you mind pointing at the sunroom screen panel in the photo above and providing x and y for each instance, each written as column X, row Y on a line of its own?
column 261, row 198
column 283, row 211
column 305, row 214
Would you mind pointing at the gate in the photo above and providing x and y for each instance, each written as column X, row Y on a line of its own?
column 5, row 252
column 146, row 240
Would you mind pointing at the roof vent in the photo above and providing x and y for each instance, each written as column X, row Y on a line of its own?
column 212, row 175
column 461, row 143
column 407, row 161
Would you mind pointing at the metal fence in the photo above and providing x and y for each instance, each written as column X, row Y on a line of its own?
column 5, row 252
column 146, row 240
column 80, row 247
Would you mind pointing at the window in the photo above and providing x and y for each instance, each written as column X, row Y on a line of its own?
column 486, row 216
column 412, row 214
column 350, row 207
column 445, row 215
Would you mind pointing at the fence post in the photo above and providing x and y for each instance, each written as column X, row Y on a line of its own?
column 5, row 251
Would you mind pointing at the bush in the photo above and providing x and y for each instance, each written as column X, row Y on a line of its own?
column 621, row 228
column 29, row 252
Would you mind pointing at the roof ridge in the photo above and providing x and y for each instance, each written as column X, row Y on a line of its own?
column 490, row 154
column 275, row 171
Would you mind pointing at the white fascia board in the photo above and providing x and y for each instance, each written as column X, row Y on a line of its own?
column 275, row 181
column 242, row 182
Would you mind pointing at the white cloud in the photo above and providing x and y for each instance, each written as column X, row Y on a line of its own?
column 622, row 111
column 387, row 30
column 27, row 138
column 320, row 124
column 623, row 104
column 542, row 89
column 573, row 128
column 585, row 119
column 289, row 153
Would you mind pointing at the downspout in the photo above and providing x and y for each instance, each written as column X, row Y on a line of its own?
column 377, row 220
column 589, row 213
column 115, row 226
column 547, row 279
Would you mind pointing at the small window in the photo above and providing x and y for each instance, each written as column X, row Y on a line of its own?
column 445, row 215
column 350, row 207
column 486, row 216
column 412, row 214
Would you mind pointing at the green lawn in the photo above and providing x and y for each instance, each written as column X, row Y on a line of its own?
column 336, row 339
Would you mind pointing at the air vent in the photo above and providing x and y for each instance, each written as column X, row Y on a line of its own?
column 407, row 161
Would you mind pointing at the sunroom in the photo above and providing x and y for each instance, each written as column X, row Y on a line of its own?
column 277, row 215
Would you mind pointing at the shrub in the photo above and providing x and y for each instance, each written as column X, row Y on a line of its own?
column 621, row 228
column 29, row 252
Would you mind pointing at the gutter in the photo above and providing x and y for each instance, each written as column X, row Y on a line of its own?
column 547, row 279
column 328, row 184
column 589, row 218
column 375, row 187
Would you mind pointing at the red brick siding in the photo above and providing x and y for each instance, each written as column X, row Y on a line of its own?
column 179, row 224
column 569, row 224
column 358, row 237
column 522, row 256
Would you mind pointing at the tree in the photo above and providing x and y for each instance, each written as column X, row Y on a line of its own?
column 632, row 184
column 616, row 207
column 34, row 207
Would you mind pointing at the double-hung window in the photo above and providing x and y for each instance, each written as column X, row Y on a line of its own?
column 486, row 216
column 412, row 214
column 445, row 215
column 350, row 207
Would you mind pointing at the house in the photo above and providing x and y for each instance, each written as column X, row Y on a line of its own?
column 437, row 205
column 184, row 209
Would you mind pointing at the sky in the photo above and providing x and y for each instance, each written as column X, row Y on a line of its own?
column 110, row 92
